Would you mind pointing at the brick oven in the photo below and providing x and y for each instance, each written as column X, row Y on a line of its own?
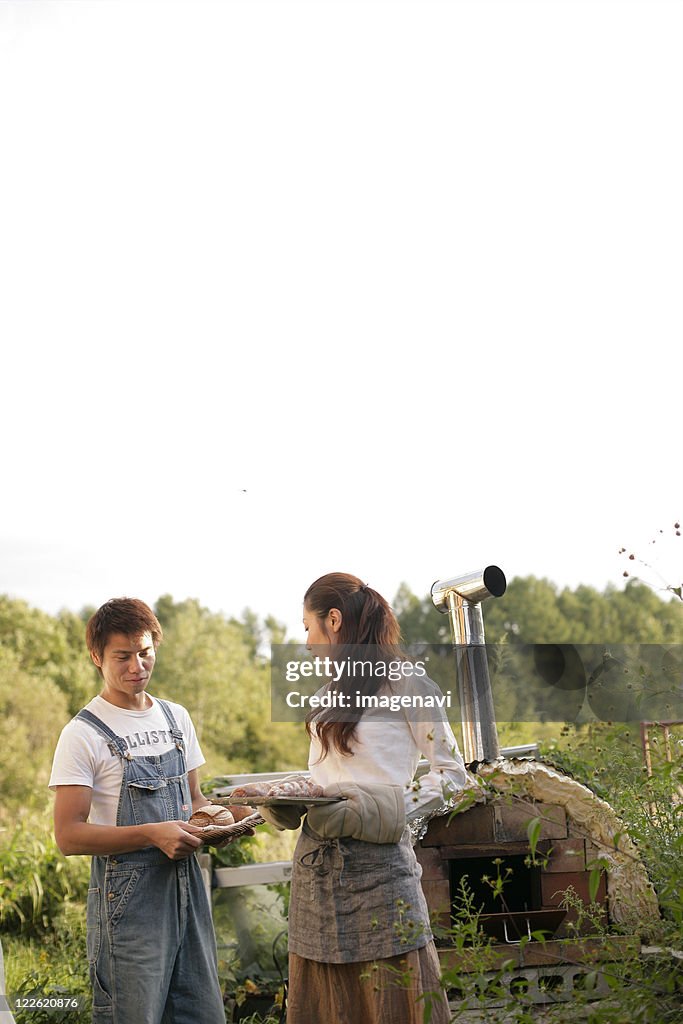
column 530, row 844
column 491, row 841
column 574, row 832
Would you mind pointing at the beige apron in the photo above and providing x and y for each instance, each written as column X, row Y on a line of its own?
column 354, row 901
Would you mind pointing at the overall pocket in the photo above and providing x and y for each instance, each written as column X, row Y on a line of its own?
column 178, row 799
column 149, row 800
column 119, row 888
column 93, row 923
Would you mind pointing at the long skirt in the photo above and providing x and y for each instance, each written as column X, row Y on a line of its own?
column 391, row 991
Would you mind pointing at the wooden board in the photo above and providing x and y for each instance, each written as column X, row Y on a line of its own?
column 216, row 834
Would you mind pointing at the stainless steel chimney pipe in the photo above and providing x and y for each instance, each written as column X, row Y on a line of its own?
column 460, row 598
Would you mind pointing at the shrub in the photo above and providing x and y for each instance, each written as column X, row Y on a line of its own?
column 36, row 880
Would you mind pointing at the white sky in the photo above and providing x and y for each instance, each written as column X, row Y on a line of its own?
column 410, row 273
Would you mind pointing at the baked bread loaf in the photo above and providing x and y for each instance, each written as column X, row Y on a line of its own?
column 240, row 811
column 252, row 789
column 211, row 814
column 296, row 787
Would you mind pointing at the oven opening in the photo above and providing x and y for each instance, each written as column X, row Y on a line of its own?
column 499, row 888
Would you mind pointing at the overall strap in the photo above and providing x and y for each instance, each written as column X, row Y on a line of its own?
column 116, row 744
column 172, row 724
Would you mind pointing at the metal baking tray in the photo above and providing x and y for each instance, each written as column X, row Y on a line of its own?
column 273, row 801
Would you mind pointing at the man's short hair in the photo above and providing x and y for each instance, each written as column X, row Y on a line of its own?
column 125, row 615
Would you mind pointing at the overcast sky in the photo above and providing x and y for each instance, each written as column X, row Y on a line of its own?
column 393, row 288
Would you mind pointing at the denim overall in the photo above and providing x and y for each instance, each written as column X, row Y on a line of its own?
column 150, row 940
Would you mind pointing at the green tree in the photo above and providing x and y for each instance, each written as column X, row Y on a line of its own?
column 33, row 711
column 210, row 665
column 419, row 619
column 53, row 647
column 534, row 611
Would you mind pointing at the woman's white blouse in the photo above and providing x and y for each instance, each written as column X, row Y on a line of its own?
column 387, row 748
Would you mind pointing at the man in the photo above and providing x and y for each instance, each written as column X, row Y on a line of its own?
column 125, row 774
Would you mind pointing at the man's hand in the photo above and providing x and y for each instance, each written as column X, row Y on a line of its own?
column 177, row 839
column 76, row 836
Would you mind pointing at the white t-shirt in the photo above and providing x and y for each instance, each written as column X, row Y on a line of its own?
column 387, row 748
column 83, row 758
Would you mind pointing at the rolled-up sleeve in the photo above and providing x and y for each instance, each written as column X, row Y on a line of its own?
column 447, row 773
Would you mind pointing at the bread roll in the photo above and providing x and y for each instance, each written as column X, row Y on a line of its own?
column 296, row 787
column 241, row 811
column 251, row 789
column 211, row 814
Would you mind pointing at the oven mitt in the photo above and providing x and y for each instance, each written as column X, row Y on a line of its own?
column 284, row 816
column 375, row 814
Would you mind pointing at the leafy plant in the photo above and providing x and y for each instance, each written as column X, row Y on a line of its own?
column 52, row 964
column 36, row 880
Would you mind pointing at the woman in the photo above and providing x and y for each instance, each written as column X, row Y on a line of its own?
column 361, row 950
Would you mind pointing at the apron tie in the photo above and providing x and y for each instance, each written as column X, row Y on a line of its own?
column 315, row 858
